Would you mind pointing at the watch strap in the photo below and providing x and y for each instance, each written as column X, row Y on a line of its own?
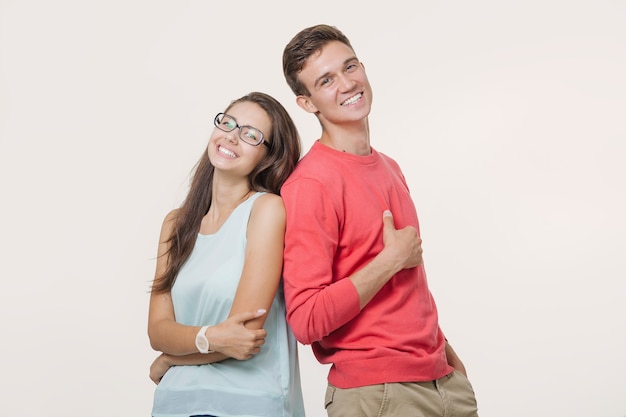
column 202, row 343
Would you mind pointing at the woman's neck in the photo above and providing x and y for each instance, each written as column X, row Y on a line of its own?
column 224, row 201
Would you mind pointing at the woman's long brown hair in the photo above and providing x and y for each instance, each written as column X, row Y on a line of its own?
column 268, row 176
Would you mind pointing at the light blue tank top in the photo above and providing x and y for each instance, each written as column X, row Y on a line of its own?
column 268, row 385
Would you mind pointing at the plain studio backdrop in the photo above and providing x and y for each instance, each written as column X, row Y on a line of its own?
column 508, row 119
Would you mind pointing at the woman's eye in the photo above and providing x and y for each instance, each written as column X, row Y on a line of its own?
column 252, row 134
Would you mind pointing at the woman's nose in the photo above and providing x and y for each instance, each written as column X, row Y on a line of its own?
column 233, row 135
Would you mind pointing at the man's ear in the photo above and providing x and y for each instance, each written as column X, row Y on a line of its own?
column 304, row 102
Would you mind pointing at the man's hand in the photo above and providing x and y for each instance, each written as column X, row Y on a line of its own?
column 454, row 360
column 404, row 246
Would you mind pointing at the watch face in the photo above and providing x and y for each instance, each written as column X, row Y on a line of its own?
column 202, row 343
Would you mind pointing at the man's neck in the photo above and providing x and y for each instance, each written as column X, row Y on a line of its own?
column 354, row 139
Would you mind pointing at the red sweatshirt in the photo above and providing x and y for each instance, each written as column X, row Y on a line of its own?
column 335, row 203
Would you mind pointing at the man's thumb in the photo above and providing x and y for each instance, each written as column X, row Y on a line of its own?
column 387, row 219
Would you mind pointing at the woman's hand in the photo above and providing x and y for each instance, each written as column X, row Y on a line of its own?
column 159, row 367
column 233, row 339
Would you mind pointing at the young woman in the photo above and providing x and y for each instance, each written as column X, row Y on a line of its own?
column 217, row 310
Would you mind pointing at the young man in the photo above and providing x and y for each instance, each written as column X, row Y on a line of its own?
column 355, row 285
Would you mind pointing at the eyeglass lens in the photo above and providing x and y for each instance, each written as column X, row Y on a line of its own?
column 248, row 134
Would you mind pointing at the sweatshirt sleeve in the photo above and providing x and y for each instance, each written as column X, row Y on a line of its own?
column 317, row 301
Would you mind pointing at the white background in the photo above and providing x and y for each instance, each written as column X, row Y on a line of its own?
column 508, row 119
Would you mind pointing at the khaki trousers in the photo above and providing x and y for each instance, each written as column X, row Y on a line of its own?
column 450, row 396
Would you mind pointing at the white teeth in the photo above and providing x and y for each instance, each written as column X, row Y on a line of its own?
column 351, row 100
column 225, row 151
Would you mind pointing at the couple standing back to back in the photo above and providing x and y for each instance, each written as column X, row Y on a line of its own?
column 353, row 285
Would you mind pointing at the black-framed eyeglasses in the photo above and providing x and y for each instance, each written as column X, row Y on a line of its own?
column 250, row 135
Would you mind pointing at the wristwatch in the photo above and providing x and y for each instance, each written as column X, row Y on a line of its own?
column 202, row 343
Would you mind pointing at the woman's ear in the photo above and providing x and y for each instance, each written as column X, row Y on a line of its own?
column 304, row 102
